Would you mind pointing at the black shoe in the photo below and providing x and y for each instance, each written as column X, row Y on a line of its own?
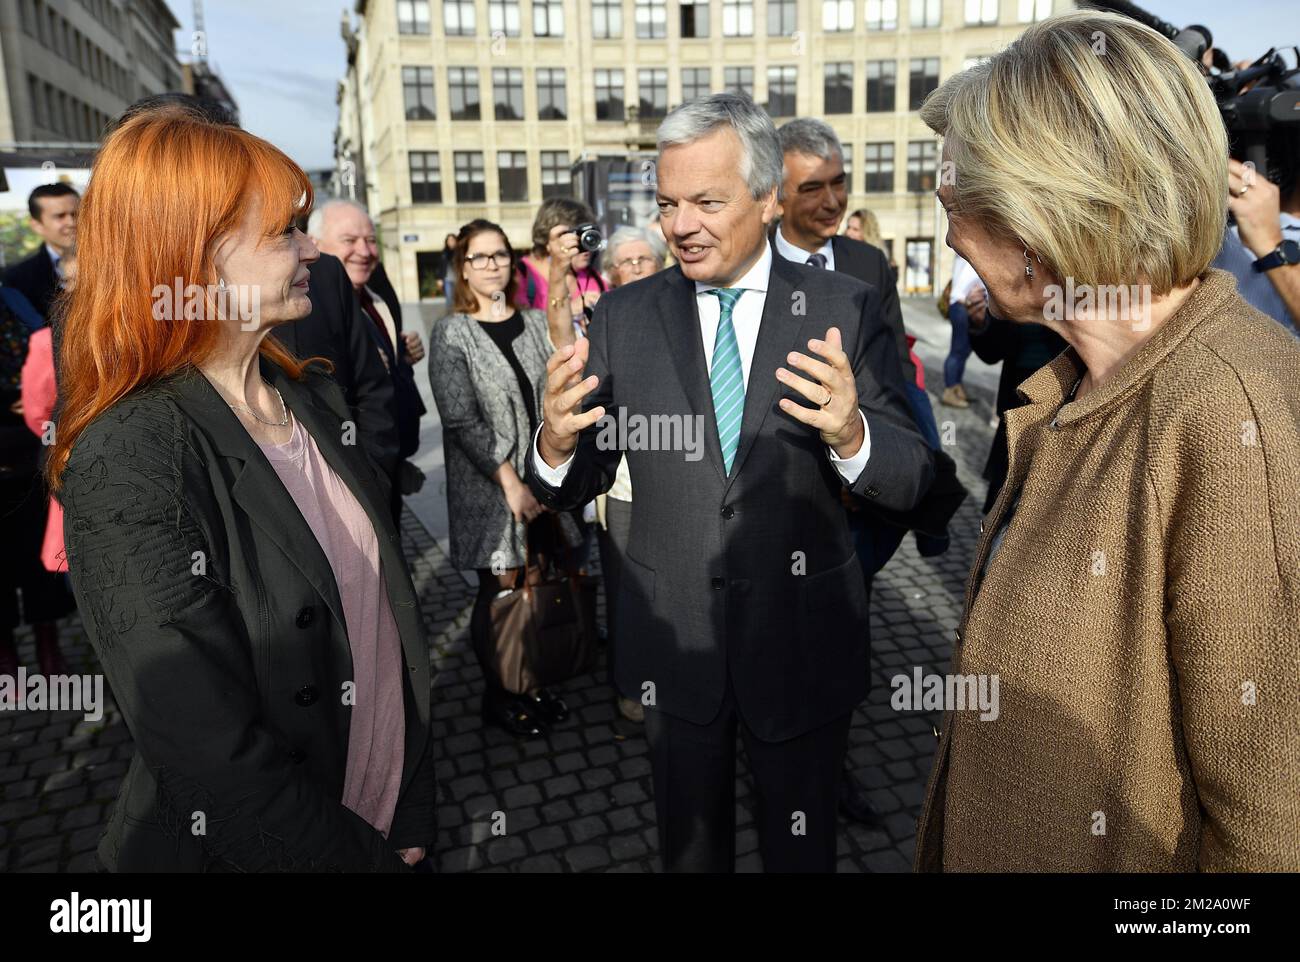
column 515, row 716
column 854, row 803
column 549, row 706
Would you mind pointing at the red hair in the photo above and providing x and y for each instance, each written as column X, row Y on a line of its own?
column 164, row 187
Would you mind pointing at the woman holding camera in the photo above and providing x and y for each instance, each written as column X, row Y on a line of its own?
column 557, row 264
column 487, row 365
column 1136, row 590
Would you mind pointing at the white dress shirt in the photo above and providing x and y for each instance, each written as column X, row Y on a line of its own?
column 746, row 317
column 799, row 255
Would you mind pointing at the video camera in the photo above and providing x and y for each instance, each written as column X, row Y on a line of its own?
column 1263, row 123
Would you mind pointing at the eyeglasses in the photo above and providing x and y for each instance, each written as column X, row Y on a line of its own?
column 634, row 263
column 480, row 261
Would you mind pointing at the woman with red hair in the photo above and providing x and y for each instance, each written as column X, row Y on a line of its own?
column 230, row 543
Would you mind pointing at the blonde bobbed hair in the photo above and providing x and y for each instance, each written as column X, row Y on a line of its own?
column 1096, row 143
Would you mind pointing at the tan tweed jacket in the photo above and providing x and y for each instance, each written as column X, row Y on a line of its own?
column 1142, row 616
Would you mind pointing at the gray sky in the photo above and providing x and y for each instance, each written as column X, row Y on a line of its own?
column 282, row 58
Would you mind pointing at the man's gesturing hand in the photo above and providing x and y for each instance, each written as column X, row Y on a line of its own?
column 833, row 390
column 562, row 417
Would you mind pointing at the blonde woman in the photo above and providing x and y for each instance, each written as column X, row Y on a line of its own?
column 1136, row 590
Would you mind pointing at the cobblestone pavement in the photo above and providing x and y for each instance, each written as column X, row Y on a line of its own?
column 579, row 801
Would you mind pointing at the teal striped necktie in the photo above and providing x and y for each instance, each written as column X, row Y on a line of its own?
column 727, row 377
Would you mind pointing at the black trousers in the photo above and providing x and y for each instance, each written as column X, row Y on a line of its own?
column 796, row 788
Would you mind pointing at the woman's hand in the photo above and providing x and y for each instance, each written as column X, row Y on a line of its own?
column 411, row 855
column 522, row 504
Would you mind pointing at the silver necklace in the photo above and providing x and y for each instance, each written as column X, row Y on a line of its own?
column 284, row 411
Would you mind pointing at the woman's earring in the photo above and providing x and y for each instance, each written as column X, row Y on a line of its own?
column 1029, row 268
column 221, row 283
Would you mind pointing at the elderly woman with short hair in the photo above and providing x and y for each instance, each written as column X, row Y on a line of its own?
column 1136, row 591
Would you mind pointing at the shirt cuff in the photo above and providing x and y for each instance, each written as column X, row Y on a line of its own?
column 555, row 476
column 849, row 468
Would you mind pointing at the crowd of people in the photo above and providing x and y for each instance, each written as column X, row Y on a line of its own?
column 230, row 483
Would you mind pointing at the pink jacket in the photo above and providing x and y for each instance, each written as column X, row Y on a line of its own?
column 39, row 394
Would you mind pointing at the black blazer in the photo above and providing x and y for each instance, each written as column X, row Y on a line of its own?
column 216, row 617
column 869, row 264
column 753, row 572
column 408, row 406
column 337, row 330
column 35, row 277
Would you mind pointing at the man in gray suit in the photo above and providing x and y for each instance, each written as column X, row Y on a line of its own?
column 742, row 606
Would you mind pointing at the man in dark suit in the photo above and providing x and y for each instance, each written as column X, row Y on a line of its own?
column 335, row 329
column 742, row 607
column 53, row 209
column 814, row 197
column 344, row 229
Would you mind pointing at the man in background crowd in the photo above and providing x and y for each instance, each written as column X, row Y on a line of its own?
column 53, row 209
column 343, row 228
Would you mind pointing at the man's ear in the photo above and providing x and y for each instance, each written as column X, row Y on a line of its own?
column 771, row 206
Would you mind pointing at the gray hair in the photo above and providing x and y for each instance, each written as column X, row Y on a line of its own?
column 316, row 222
column 628, row 234
column 760, row 163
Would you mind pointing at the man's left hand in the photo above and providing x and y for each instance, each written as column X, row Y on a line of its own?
column 1256, row 204
column 834, row 391
column 414, row 346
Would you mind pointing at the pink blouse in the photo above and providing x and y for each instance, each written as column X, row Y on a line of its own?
column 348, row 539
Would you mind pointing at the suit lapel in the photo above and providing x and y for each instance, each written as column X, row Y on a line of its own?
column 778, row 334
column 257, row 488
column 681, row 322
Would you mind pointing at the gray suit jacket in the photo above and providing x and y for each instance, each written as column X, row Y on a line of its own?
column 752, row 572
column 484, row 423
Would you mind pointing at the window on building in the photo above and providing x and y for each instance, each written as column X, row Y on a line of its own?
column 882, row 14
column 503, row 18
column 837, row 15
column 512, row 174
column 462, row 88
column 739, row 80
column 922, row 159
column 781, row 84
column 652, row 93
column 882, row 81
column 738, row 17
column 781, row 16
column 1031, row 11
column 458, row 18
column 606, row 19
column 878, row 162
column 508, row 93
column 556, row 176
column 417, row 93
column 470, row 184
column 920, row 265
column 425, row 177
column 981, row 12
column 846, row 154
column 609, row 94
column 695, row 18
column 551, row 100
column 651, row 19
column 413, row 16
column 838, row 88
column 38, row 103
column 923, row 77
column 925, row 13
column 25, row 16
column 696, row 82
column 548, row 18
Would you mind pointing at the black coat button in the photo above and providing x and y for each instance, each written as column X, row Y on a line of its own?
column 306, row 696
column 728, row 512
column 718, row 584
column 306, row 617
column 871, row 492
column 297, row 756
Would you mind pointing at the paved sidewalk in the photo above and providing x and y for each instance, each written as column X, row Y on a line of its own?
column 581, row 800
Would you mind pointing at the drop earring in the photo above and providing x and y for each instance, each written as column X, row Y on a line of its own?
column 1029, row 268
